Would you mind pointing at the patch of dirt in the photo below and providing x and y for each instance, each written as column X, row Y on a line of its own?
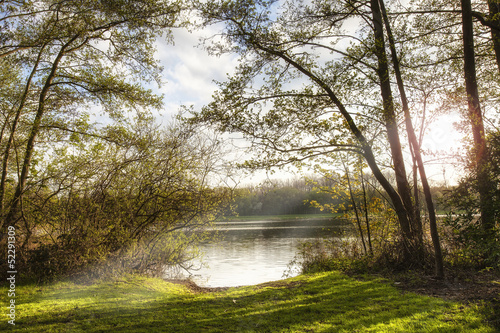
column 197, row 289
column 280, row 284
column 466, row 287
column 474, row 287
column 194, row 287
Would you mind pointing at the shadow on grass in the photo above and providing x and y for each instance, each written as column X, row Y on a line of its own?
column 492, row 313
column 321, row 303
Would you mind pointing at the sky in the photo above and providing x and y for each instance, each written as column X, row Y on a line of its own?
column 190, row 74
column 189, row 71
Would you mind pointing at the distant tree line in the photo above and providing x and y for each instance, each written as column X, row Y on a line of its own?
column 281, row 198
column 311, row 195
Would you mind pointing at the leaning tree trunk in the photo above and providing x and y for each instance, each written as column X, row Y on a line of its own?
column 12, row 215
column 13, row 129
column 414, row 238
column 439, row 268
column 399, row 207
column 365, row 203
column 355, row 207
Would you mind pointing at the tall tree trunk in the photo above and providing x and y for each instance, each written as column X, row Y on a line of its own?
column 439, row 268
column 476, row 119
column 403, row 186
column 494, row 9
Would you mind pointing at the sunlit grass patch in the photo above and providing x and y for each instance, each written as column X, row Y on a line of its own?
column 326, row 302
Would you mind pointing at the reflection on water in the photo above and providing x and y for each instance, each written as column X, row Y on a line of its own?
column 253, row 252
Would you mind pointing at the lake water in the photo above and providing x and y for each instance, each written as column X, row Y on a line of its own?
column 253, row 252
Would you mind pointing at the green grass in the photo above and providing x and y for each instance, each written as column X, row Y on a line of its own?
column 326, row 302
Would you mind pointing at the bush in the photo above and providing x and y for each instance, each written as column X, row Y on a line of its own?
column 468, row 244
column 467, row 240
column 330, row 254
column 348, row 255
column 110, row 208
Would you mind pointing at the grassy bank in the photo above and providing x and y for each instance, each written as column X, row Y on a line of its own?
column 326, row 302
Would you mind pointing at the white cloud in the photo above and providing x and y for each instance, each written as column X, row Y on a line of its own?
column 189, row 71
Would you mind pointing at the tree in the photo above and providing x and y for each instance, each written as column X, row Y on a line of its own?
column 76, row 55
column 350, row 190
column 473, row 57
column 141, row 202
column 331, row 109
column 480, row 152
column 494, row 14
column 415, row 150
column 471, row 243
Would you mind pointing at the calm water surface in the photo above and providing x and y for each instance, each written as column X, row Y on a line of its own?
column 253, row 252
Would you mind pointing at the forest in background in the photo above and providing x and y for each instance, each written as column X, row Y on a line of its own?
column 308, row 196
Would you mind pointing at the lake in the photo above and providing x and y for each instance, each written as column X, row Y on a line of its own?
column 253, row 252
